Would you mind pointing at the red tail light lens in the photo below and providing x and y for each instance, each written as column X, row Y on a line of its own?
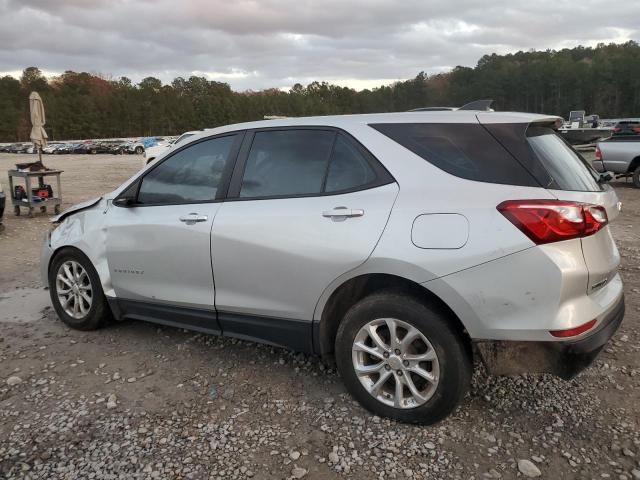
column 636, row 129
column 617, row 129
column 547, row 221
column 598, row 153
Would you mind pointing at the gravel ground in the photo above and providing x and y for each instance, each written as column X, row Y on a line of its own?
column 137, row 401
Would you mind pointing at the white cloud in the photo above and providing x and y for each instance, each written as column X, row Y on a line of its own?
column 275, row 43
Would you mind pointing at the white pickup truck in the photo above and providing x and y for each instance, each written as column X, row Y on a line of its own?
column 620, row 156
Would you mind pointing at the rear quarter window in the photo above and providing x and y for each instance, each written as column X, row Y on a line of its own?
column 566, row 168
column 464, row 150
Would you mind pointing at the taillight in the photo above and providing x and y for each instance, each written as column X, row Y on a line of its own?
column 598, row 153
column 617, row 129
column 547, row 221
column 636, row 129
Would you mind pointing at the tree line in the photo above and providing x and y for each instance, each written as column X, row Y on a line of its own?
column 603, row 79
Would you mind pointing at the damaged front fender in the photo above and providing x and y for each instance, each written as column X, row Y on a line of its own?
column 82, row 227
column 75, row 209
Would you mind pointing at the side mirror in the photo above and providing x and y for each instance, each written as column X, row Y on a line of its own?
column 124, row 202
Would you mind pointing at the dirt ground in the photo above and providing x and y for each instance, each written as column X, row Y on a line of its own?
column 135, row 400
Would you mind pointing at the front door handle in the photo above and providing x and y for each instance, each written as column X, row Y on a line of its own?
column 343, row 212
column 193, row 218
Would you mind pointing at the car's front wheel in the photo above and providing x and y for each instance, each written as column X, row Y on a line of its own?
column 401, row 358
column 76, row 291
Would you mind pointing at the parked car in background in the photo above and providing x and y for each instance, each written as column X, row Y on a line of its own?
column 160, row 149
column 19, row 148
column 619, row 155
column 627, row 127
column 52, row 147
column 100, row 147
column 116, row 147
column 64, row 149
column 138, row 146
column 398, row 244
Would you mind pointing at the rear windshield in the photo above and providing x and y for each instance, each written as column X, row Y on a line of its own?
column 566, row 168
column 465, row 150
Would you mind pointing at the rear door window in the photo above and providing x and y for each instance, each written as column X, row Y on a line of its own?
column 464, row 150
column 300, row 161
column 287, row 163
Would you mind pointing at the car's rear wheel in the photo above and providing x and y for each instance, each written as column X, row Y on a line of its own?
column 139, row 150
column 76, row 292
column 401, row 358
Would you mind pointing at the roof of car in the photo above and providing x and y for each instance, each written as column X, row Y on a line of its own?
column 456, row 116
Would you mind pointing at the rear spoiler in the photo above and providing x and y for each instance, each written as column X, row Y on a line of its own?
column 551, row 121
column 481, row 105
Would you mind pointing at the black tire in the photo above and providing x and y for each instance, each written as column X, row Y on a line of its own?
column 453, row 352
column 636, row 177
column 99, row 312
column 139, row 150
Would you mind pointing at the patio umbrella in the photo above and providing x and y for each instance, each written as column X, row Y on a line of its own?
column 38, row 135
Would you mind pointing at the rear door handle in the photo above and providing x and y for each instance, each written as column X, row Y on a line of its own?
column 343, row 212
column 193, row 218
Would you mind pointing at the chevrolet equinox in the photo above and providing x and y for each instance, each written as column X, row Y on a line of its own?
column 402, row 245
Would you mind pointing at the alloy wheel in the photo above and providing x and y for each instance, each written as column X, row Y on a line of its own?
column 73, row 287
column 395, row 363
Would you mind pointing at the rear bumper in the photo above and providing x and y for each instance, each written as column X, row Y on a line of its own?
column 578, row 355
column 565, row 359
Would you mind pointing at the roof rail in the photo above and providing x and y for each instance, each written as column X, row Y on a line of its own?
column 483, row 105
column 431, row 109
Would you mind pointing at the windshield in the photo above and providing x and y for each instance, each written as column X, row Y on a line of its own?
column 566, row 167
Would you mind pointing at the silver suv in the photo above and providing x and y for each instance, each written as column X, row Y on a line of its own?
column 402, row 245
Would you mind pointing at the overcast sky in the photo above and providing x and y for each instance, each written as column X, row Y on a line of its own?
column 276, row 43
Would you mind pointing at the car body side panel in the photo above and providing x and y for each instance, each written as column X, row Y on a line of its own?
column 273, row 257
